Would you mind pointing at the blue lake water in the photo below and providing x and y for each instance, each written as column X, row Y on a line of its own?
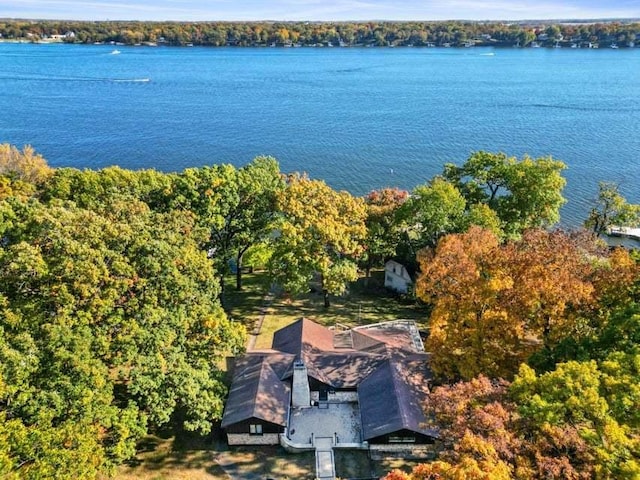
column 358, row 118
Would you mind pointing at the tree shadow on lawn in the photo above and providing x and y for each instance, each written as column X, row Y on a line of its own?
column 261, row 462
column 185, row 455
column 357, row 307
column 176, row 454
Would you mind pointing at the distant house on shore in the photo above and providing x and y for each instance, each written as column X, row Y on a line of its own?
column 397, row 277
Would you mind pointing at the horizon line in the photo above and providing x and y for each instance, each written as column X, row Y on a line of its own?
column 558, row 20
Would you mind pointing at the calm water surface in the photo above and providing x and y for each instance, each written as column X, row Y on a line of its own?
column 358, row 118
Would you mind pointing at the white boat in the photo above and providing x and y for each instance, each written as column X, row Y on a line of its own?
column 614, row 45
column 115, row 52
column 535, row 45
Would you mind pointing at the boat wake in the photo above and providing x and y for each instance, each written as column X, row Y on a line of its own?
column 39, row 78
column 130, row 80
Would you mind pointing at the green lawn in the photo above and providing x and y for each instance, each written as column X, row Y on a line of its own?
column 191, row 457
column 167, row 456
column 360, row 306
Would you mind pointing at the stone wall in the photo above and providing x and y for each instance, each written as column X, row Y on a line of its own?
column 402, row 450
column 246, row 439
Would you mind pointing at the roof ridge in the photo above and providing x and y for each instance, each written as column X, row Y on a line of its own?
column 397, row 381
column 263, row 363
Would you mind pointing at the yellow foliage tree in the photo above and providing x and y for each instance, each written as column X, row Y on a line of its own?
column 321, row 232
column 21, row 172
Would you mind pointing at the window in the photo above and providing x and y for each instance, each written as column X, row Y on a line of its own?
column 255, row 429
column 398, row 439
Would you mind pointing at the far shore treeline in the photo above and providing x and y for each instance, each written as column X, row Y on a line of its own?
column 575, row 34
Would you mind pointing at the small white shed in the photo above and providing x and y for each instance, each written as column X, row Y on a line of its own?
column 396, row 277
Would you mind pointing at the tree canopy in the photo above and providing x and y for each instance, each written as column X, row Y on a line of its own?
column 321, row 231
column 524, row 193
column 611, row 209
column 373, row 33
column 495, row 304
column 110, row 324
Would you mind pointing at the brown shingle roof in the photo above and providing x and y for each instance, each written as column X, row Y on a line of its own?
column 303, row 337
column 392, row 397
column 342, row 370
column 257, row 390
column 390, row 377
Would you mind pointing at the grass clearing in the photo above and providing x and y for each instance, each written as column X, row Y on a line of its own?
column 188, row 456
column 362, row 305
column 244, row 305
column 180, row 457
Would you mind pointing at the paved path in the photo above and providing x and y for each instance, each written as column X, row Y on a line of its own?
column 266, row 303
column 325, row 468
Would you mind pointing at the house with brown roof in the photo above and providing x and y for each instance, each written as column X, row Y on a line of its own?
column 359, row 388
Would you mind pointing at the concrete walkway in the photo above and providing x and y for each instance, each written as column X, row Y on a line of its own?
column 325, row 466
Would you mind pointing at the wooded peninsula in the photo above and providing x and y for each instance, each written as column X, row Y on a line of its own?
column 115, row 321
column 575, row 34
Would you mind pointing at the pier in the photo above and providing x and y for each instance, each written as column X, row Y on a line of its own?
column 626, row 232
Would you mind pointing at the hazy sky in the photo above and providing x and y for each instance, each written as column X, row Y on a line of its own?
column 318, row 9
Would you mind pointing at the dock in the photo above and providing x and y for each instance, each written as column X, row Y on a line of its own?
column 626, row 232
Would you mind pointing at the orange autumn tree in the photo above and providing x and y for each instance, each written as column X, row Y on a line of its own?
column 559, row 425
column 475, row 420
column 496, row 304
column 466, row 280
column 552, row 273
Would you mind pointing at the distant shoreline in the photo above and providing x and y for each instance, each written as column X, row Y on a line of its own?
column 565, row 45
column 445, row 34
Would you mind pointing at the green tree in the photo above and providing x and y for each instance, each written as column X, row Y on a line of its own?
column 569, row 402
column 432, row 211
column 524, row 193
column 321, row 232
column 237, row 206
column 383, row 229
column 109, row 323
column 611, row 210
